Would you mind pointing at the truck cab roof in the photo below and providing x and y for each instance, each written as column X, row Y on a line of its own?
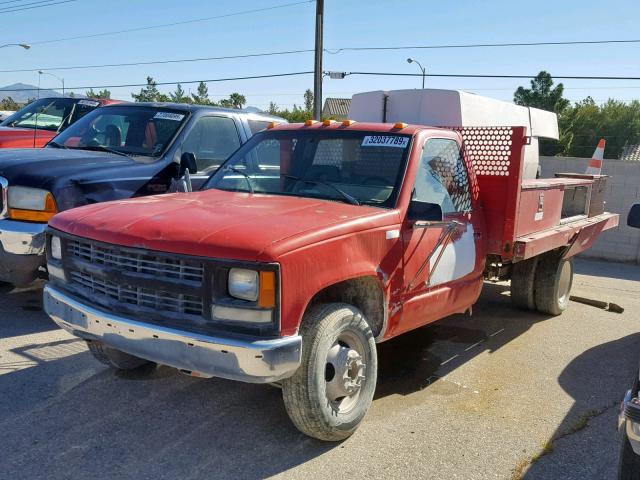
column 359, row 126
column 189, row 107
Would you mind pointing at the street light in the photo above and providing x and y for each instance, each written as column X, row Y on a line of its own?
column 40, row 72
column 424, row 70
column 26, row 46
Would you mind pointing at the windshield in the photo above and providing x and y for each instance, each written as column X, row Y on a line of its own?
column 128, row 129
column 46, row 114
column 349, row 166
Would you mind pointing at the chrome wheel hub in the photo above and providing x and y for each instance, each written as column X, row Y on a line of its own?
column 345, row 372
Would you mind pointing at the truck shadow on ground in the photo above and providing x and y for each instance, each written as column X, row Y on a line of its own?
column 17, row 304
column 71, row 417
column 597, row 381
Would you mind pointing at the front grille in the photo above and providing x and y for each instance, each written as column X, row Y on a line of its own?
column 142, row 262
column 138, row 296
column 119, row 277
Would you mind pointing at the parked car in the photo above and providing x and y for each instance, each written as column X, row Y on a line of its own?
column 311, row 243
column 37, row 123
column 114, row 152
column 4, row 114
column 629, row 419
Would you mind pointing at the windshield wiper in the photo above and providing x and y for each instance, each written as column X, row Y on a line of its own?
column 101, row 148
column 240, row 172
column 57, row 145
column 345, row 195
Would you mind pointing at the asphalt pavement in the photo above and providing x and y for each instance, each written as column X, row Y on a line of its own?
column 501, row 394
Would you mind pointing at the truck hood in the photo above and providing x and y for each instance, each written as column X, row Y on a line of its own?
column 11, row 137
column 40, row 167
column 220, row 224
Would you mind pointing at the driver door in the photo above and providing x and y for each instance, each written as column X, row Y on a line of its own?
column 441, row 265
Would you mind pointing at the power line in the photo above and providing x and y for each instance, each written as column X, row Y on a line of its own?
column 291, row 74
column 290, row 52
column 161, row 62
column 183, row 82
column 39, row 2
column 458, row 75
column 479, row 45
column 163, row 25
column 12, row 1
column 19, row 8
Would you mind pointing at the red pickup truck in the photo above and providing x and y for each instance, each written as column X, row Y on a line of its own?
column 311, row 243
column 37, row 123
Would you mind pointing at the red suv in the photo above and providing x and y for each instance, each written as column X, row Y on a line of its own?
column 37, row 123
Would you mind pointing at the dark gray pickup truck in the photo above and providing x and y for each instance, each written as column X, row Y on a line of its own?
column 114, row 152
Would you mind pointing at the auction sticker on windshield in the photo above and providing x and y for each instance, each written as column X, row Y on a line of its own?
column 176, row 117
column 385, row 141
column 89, row 103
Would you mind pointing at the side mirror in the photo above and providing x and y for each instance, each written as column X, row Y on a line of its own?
column 188, row 163
column 424, row 212
column 633, row 220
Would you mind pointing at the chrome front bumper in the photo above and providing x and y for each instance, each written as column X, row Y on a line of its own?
column 249, row 360
column 22, row 238
column 629, row 419
column 21, row 251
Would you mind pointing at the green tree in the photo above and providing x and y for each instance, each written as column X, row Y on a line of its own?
column 150, row 93
column 308, row 100
column 542, row 94
column 235, row 100
column 99, row 94
column 585, row 123
column 9, row 103
column 179, row 96
column 273, row 108
column 296, row 114
column 202, row 95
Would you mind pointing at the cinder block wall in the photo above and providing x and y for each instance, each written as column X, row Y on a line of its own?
column 623, row 190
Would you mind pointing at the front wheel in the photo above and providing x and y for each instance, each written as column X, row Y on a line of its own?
column 330, row 393
column 629, row 468
column 114, row 358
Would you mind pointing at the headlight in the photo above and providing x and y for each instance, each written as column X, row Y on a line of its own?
column 56, row 248
column 243, row 284
column 31, row 204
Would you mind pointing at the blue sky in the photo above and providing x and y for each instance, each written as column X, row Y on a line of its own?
column 348, row 23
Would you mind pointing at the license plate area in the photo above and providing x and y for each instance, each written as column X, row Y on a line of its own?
column 67, row 313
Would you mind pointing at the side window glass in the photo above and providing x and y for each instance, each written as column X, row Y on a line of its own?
column 212, row 140
column 257, row 125
column 442, row 177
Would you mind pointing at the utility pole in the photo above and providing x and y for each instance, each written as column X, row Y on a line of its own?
column 317, row 74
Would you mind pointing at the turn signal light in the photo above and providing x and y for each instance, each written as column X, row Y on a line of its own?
column 50, row 209
column 267, row 297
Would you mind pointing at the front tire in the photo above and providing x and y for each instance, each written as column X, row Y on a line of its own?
column 333, row 388
column 114, row 358
column 629, row 468
column 554, row 278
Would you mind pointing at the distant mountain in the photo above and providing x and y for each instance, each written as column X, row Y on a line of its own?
column 21, row 92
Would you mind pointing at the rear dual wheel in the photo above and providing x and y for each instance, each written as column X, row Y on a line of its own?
column 543, row 283
column 330, row 393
